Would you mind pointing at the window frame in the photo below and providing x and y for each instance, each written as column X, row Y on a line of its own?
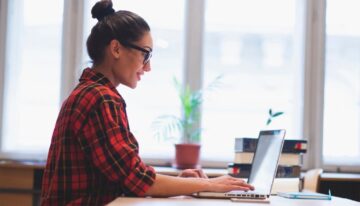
column 3, row 26
column 73, row 43
column 314, row 81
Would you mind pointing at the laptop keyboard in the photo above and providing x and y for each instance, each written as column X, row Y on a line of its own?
column 248, row 196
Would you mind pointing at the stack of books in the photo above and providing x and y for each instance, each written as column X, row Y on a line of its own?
column 290, row 162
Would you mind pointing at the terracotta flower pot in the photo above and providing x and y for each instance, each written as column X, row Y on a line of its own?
column 187, row 156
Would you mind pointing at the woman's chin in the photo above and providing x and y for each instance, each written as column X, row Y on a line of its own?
column 133, row 85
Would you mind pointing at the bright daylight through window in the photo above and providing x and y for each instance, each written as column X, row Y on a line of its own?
column 342, row 83
column 32, row 75
column 259, row 47
column 254, row 47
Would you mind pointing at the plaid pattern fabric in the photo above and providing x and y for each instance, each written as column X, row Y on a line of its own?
column 93, row 156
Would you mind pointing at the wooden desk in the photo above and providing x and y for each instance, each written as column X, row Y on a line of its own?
column 274, row 200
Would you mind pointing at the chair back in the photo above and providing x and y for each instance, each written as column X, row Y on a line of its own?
column 312, row 180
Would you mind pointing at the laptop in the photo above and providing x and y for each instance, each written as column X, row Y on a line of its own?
column 263, row 169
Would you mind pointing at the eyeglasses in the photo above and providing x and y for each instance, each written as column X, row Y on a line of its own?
column 147, row 53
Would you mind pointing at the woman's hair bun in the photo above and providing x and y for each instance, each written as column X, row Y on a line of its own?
column 101, row 9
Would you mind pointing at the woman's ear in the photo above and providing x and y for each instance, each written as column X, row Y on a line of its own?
column 115, row 48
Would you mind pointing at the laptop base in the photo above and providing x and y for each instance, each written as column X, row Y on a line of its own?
column 266, row 200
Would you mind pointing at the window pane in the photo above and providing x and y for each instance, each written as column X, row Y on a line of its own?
column 32, row 83
column 252, row 43
column 342, row 83
column 155, row 94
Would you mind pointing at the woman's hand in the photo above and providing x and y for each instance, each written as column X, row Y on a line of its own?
column 193, row 173
column 227, row 183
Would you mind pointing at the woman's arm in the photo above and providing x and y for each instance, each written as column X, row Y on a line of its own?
column 171, row 186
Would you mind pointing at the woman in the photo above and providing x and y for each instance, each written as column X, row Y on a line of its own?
column 93, row 157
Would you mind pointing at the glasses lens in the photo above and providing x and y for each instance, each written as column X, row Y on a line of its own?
column 147, row 57
column 147, row 53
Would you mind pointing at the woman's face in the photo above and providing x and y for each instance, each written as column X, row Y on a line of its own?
column 132, row 65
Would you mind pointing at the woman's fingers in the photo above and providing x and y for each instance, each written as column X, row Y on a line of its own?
column 240, row 188
column 188, row 173
column 246, row 185
column 227, row 183
column 201, row 173
column 193, row 173
column 242, row 183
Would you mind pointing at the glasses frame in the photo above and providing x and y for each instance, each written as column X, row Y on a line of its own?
column 147, row 53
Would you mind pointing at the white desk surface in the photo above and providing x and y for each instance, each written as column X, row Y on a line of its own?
column 190, row 201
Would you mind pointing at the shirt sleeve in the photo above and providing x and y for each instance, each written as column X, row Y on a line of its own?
column 114, row 150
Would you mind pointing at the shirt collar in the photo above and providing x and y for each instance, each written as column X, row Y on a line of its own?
column 91, row 75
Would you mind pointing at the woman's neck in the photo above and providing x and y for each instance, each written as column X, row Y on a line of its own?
column 106, row 70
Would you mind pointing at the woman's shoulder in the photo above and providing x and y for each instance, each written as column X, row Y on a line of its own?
column 93, row 93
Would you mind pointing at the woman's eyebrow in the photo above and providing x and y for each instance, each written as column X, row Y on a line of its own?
column 148, row 48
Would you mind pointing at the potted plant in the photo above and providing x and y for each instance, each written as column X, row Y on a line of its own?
column 185, row 129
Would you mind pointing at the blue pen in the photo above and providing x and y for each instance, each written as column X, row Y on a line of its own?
column 329, row 194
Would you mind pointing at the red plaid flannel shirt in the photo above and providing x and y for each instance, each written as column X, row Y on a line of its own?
column 93, row 156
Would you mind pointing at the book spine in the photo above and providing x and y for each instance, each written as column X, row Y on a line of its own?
column 239, row 170
column 243, row 171
column 246, row 144
column 295, row 146
column 285, row 158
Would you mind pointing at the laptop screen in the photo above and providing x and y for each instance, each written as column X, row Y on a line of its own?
column 265, row 161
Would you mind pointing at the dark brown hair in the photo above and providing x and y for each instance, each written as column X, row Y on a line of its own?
column 124, row 26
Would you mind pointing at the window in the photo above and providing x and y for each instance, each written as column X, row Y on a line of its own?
column 258, row 46
column 32, row 74
column 155, row 94
column 253, row 47
column 341, row 137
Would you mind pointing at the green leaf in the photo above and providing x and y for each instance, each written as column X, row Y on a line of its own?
column 195, row 136
column 270, row 112
column 278, row 114
column 268, row 121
